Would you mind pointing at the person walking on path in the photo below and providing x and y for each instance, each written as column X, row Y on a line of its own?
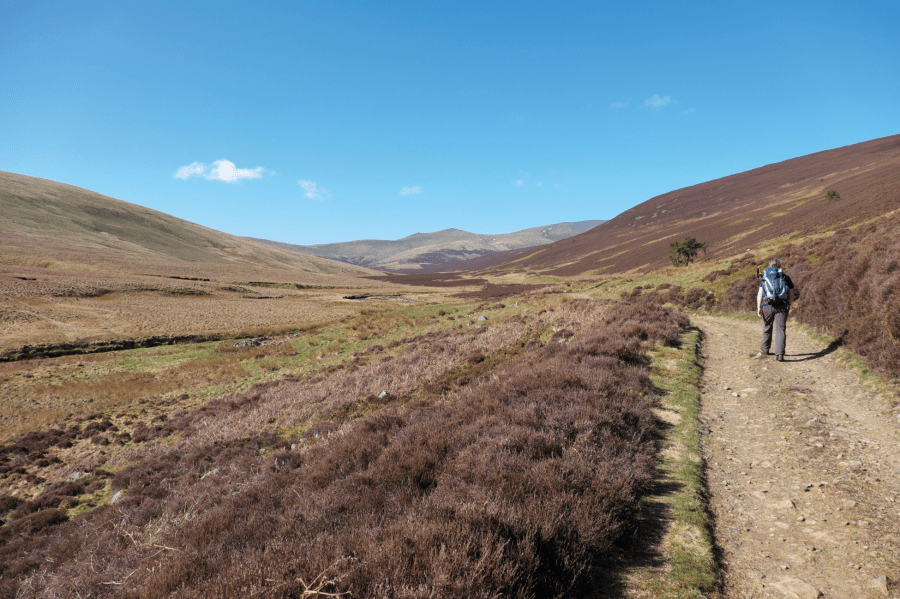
column 773, row 304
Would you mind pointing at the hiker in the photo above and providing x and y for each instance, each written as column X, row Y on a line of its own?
column 773, row 304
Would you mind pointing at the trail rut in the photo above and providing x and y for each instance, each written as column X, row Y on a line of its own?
column 803, row 469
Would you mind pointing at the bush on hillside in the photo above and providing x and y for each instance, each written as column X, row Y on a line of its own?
column 684, row 252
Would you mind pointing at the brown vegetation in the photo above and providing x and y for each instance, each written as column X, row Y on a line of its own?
column 849, row 285
column 730, row 214
column 516, row 482
column 429, row 280
column 46, row 223
column 434, row 451
column 60, row 308
column 498, row 291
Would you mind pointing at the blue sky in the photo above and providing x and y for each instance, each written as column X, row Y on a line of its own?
column 316, row 122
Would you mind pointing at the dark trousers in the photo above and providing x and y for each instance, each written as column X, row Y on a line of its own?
column 776, row 317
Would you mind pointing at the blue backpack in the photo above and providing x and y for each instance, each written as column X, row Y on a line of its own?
column 775, row 287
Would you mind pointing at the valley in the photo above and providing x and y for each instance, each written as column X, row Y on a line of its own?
column 186, row 413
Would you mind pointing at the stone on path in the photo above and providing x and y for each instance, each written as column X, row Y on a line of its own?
column 794, row 588
column 879, row 585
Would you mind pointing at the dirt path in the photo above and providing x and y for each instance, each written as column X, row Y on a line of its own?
column 803, row 466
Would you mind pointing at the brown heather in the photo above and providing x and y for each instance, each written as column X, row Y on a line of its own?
column 849, row 285
column 514, row 475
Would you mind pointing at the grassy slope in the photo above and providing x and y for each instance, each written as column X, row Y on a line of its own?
column 42, row 219
column 76, row 266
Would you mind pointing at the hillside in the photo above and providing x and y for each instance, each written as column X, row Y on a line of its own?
column 438, row 249
column 569, row 436
column 77, row 268
column 731, row 214
column 45, row 221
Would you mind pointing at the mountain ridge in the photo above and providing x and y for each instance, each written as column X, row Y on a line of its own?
column 439, row 248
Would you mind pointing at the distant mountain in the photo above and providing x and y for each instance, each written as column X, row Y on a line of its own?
column 43, row 222
column 731, row 214
column 424, row 250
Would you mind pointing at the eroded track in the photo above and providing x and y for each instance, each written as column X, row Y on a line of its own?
column 803, row 469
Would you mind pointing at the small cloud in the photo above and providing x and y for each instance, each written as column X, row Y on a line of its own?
column 620, row 104
column 220, row 170
column 656, row 102
column 410, row 190
column 190, row 170
column 519, row 182
column 312, row 192
column 689, row 111
column 225, row 170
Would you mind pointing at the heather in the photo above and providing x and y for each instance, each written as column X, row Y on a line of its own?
column 503, row 456
column 849, row 284
column 731, row 214
column 847, row 280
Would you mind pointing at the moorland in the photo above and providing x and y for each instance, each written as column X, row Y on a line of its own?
column 284, row 425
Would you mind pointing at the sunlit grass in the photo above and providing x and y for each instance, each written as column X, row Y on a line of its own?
column 688, row 568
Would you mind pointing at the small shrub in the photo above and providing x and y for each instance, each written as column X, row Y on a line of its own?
column 475, row 357
column 8, row 503
column 682, row 253
column 697, row 297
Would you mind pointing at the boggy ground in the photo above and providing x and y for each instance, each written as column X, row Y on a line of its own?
column 803, row 469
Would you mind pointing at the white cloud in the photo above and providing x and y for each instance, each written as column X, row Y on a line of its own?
column 220, row 170
column 689, row 111
column 190, row 170
column 312, row 190
column 620, row 104
column 224, row 170
column 408, row 190
column 657, row 102
column 519, row 182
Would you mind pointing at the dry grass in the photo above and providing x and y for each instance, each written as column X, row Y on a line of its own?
column 136, row 312
column 475, row 413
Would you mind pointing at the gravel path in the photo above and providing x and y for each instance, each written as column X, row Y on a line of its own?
column 803, row 466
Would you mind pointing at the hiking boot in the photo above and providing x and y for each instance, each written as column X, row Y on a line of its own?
column 761, row 355
column 780, row 357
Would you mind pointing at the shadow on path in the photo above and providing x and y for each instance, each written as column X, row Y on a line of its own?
column 832, row 347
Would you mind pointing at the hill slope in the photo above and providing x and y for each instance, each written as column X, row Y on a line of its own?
column 423, row 250
column 732, row 213
column 48, row 221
